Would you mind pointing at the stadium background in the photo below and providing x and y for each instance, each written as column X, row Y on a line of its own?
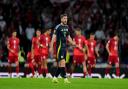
column 102, row 17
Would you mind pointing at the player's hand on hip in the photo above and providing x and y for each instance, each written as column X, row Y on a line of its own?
column 12, row 51
column 110, row 53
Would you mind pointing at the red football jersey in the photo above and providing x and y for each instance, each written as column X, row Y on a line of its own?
column 45, row 40
column 14, row 44
column 80, row 42
column 35, row 42
column 113, row 46
column 91, row 47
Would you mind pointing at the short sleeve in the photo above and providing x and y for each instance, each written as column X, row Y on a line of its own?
column 56, row 29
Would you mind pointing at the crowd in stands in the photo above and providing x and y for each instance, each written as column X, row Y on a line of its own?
column 102, row 17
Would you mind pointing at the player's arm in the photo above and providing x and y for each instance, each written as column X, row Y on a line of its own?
column 96, row 51
column 70, row 40
column 52, row 42
column 86, row 45
column 19, row 45
column 107, row 47
column 32, row 50
column 8, row 46
column 39, row 42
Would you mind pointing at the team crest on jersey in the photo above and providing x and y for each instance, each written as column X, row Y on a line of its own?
column 62, row 56
column 64, row 30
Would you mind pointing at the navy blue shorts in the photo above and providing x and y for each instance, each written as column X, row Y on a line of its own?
column 61, row 53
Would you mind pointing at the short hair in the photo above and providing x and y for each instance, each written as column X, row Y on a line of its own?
column 38, row 29
column 78, row 29
column 14, row 31
column 92, row 34
column 62, row 15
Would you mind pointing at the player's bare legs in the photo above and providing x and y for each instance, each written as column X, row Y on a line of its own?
column 46, row 69
column 9, row 70
column 72, row 68
column 61, row 70
column 17, row 68
column 40, row 67
column 107, row 71
column 117, row 70
column 85, row 72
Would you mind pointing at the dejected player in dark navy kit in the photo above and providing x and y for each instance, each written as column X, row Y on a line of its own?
column 61, row 35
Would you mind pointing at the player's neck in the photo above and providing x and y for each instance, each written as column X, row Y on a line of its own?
column 79, row 35
column 37, row 36
column 91, row 39
column 63, row 24
column 13, row 37
column 45, row 33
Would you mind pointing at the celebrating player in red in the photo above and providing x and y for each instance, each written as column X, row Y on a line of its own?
column 35, row 50
column 13, row 48
column 91, row 53
column 112, row 48
column 44, row 43
column 79, row 51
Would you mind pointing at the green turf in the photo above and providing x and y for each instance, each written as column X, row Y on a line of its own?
column 77, row 83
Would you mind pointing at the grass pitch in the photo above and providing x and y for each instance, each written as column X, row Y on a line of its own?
column 76, row 83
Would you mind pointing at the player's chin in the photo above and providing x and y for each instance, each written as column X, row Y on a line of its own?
column 65, row 23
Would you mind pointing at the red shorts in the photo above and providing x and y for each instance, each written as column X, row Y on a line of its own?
column 37, row 58
column 91, row 60
column 44, row 56
column 12, row 59
column 113, row 60
column 78, row 59
column 36, row 52
column 30, row 64
column 44, row 53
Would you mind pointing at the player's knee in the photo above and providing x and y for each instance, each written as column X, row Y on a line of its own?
column 62, row 63
column 117, row 65
column 109, row 66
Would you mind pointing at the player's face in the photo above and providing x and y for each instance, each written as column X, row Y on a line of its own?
column 64, row 20
column 78, row 32
column 38, row 33
column 14, row 34
column 116, row 38
column 92, row 37
column 49, row 31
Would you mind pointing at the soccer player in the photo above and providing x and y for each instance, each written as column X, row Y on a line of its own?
column 30, row 64
column 35, row 51
column 112, row 48
column 91, row 53
column 79, row 51
column 13, row 48
column 61, row 34
column 44, row 44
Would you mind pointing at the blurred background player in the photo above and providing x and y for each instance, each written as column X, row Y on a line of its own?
column 113, row 58
column 36, row 51
column 79, row 51
column 91, row 53
column 61, row 34
column 13, row 48
column 30, row 65
column 44, row 44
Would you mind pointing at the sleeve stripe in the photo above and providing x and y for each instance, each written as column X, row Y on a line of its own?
column 57, row 26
